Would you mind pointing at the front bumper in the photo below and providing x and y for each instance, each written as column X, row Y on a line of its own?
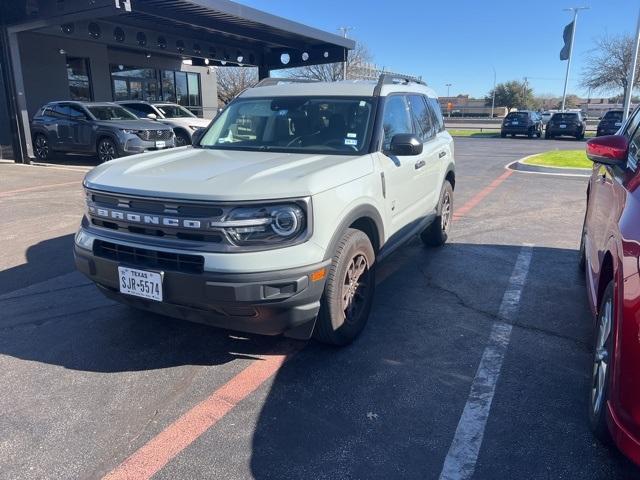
column 133, row 144
column 267, row 303
column 517, row 129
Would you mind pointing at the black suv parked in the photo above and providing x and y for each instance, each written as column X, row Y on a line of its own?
column 610, row 123
column 570, row 124
column 105, row 129
column 522, row 122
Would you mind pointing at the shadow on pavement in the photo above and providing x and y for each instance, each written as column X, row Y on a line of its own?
column 45, row 260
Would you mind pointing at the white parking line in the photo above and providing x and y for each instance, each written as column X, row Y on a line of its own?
column 461, row 459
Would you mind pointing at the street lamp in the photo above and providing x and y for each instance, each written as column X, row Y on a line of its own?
column 493, row 99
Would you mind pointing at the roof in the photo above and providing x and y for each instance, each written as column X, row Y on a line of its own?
column 348, row 88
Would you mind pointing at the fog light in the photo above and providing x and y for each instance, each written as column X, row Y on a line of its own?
column 83, row 240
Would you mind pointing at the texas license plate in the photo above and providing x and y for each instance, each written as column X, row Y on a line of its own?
column 514, row 123
column 618, row 124
column 563, row 126
column 161, row 144
column 140, row 283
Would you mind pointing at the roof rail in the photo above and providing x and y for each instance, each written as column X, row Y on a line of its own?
column 394, row 78
column 270, row 81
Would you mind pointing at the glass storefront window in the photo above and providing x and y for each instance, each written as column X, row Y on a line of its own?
column 194, row 89
column 79, row 79
column 182, row 94
column 168, row 86
column 133, row 83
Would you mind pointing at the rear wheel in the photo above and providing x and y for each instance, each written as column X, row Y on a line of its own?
column 348, row 293
column 41, row 147
column 548, row 136
column 107, row 150
column 582, row 259
column 436, row 234
column 503, row 135
column 601, row 374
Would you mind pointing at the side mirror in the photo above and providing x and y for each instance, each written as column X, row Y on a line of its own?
column 405, row 144
column 608, row 150
column 152, row 116
column 197, row 135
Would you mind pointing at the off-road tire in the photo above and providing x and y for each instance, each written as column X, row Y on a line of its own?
column 333, row 325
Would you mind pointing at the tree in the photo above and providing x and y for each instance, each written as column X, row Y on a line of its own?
column 357, row 59
column 233, row 80
column 513, row 94
column 607, row 66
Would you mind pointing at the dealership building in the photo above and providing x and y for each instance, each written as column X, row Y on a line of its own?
column 154, row 50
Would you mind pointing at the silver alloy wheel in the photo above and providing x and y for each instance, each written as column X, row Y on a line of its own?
column 181, row 140
column 445, row 215
column 106, row 151
column 601, row 358
column 354, row 286
column 42, row 147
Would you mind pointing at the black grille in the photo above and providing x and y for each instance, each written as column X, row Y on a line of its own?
column 142, row 257
column 152, row 135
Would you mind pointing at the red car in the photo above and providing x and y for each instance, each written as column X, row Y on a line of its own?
column 610, row 255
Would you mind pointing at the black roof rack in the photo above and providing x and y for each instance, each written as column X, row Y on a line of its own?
column 394, row 78
column 270, row 81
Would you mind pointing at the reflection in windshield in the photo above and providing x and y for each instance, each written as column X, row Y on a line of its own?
column 338, row 125
column 111, row 112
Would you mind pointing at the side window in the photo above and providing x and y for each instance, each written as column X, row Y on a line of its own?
column 633, row 124
column 76, row 112
column 634, row 149
column 436, row 111
column 422, row 117
column 396, row 118
column 59, row 111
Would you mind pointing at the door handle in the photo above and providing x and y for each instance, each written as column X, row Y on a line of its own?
column 442, row 154
column 420, row 164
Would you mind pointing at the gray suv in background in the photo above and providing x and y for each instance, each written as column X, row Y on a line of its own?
column 105, row 129
column 183, row 122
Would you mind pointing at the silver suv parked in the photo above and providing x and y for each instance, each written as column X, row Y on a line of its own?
column 183, row 122
column 275, row 219
column 104, row 129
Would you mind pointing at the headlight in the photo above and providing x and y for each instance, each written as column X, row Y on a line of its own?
column 194, row 127
column 264, row 225
column 83, row 240
column 129, row 131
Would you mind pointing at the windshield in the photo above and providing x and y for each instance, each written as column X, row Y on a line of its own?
column 518, row 116
column 174, row 111
column 338, row 125
column 111, row 112
column 614, row 116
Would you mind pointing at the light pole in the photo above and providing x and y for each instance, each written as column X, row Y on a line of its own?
column 575, row 11
column 448, row 85
column 632, row 74
column 344, row 31
column 493, row 99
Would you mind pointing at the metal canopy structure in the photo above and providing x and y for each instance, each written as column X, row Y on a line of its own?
column 208, row 32
column 222, row 32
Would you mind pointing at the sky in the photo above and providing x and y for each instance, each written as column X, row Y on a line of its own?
column 459, row 41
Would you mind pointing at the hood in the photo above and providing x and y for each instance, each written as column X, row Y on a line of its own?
column 132, row 124
column 186, row 122
column 223, row 175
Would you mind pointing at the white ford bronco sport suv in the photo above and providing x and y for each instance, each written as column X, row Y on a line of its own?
column 274, row 220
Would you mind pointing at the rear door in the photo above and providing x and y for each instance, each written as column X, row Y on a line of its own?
column 80, row 129
column 428, row 165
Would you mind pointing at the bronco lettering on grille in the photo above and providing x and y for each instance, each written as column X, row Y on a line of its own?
column 144, row 219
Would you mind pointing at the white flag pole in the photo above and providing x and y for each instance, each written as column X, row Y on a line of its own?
column 632, row 74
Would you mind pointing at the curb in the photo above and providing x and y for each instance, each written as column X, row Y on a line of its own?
column 518, row 166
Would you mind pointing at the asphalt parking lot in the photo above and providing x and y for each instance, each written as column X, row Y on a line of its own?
column 91, row 388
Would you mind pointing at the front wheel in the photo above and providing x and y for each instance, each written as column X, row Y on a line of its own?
column 436, row 234
column 182, row 139
column 107, row 150
column 41, row 147
column 348, row 293
column 601, row 374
